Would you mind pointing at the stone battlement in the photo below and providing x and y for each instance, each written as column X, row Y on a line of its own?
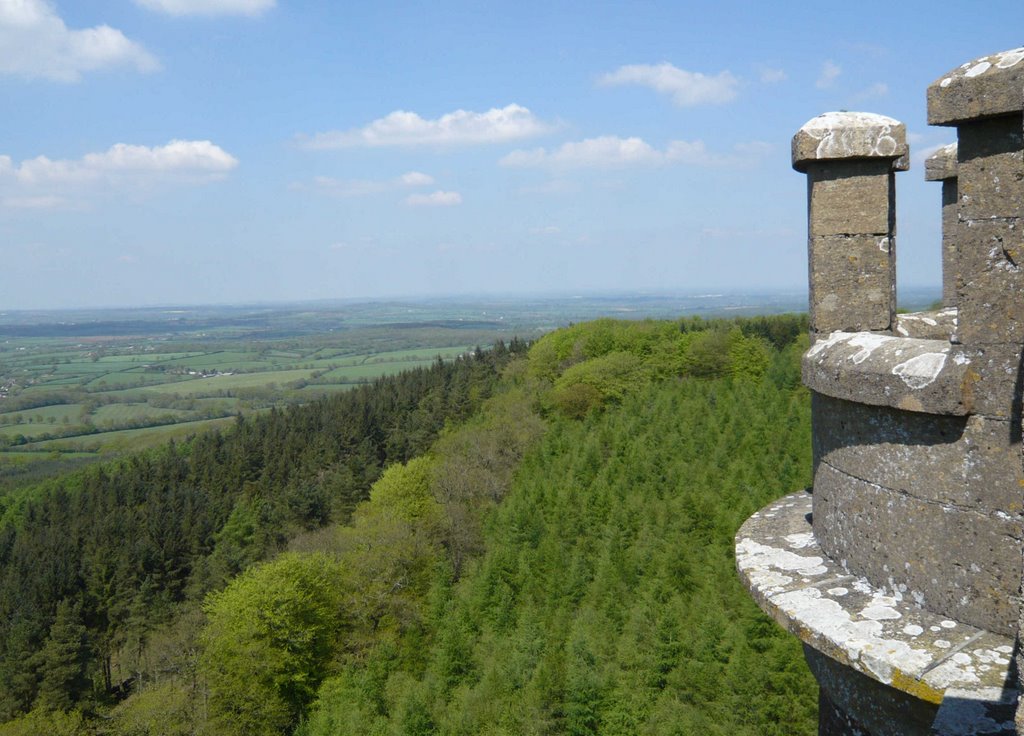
column 918, row 479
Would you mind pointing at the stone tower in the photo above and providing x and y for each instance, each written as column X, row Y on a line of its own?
column 901, row 569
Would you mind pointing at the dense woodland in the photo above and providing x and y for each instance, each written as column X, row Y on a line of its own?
column 511, row 543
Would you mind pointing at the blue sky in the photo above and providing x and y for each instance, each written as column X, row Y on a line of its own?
column 214, row 151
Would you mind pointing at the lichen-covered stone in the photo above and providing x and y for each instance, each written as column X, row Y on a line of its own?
column 852, row 286
column 968, row 462
column 934, row 325
column 850, row 135
column 941, row 165
column 986, row 87
column 990, row 293
column 880, row 632
column 852, row 198
column 914, row 375
column 958, row 562
column 990, row 171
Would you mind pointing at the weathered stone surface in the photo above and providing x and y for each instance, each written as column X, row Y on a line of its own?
column 990, row 293
column 853, row 704
column 972, row 713
column 850, row 135
column 913, row 375
column 960, row 461
column 950, row 252
column 986, row 87
column 881, row 633
column 956, row 562
column 852, row 285
column 936, row 325
column 991, row 168
column 851, row 197
column 941, row 165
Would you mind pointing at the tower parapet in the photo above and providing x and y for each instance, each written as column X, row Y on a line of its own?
column 904, row 579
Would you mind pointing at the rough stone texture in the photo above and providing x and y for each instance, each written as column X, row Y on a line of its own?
column 852, row 287
column 941, row 165
column 955, row 561
column 959, row 461
column 963, row 713
column 850, row 135
column 881, row 710
column 986, row 87
column 881, row 633
column 851, row 197
column 937, row 325
column 930, row 376
column 950, row 253
column 989, row 167
column 990, row 297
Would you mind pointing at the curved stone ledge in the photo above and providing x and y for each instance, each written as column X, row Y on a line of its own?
column 929, row 376
column 886, row 637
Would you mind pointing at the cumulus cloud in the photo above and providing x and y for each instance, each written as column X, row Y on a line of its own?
column 614, row 152
column 434, row 199
column 462, row 127
column 769, row 75
column 208, row 7
column 363, row 187
column 830, row 71
column 35, row 43
column 42, row 182
column 685, row 88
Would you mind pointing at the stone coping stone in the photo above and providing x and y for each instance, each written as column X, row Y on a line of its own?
column 941, row 165
column 986, row 87
column 881, row 633
column 850, row 135
column 936, row 325
column 929, row 376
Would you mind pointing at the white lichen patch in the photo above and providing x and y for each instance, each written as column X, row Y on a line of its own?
column 838, row 592
column 1009, row 58
column 947, row 624
column 868, row 342
column 980, row 68
column 799, row 541
column 913, row 630
column 942, row 643
column 951, row 673
column 751, row 555
column 921, row 370
column 862, row 641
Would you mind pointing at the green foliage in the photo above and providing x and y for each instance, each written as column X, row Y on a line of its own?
column 269, row 642
column 42, row 721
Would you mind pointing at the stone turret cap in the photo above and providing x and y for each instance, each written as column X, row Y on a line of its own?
column 850, row 135
column 941, row 165
column 983, row 88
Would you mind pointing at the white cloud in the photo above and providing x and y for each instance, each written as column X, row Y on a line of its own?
column 614, row 152
column 462, row 127
column 35, row 43
column 364, row 187
column 829, row 72
column 434, row 199
column 42, row 182
column 685, row 88
column 121, row 159
column 878, row 89
column 769, row 75
column 208, row 7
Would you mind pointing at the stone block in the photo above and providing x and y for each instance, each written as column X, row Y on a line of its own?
column 990, row 178
column 941, row 165
column 852, row 285
column 986, row 87
column 934, row 325
column 969, row 462
column 950, row 259
column 990, row 292
column 928, row 376
column 851, row 198
column 850, row 135
column 955, row 562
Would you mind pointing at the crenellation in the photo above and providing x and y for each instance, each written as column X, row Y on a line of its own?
column 918, row 497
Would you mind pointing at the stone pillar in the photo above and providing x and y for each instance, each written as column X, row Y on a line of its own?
column 850, row 159
column 984, row 99
column 941, row 166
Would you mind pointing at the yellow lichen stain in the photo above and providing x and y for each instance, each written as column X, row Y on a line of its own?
column 970, row 378
column 911, row 403
column 917, row 688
